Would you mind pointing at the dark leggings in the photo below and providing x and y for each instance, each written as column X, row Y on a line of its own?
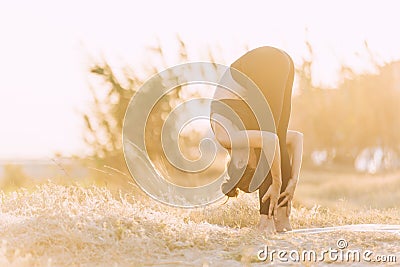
column 282, row 128
column 273, row 71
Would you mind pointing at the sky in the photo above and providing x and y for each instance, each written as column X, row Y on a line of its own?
column 47, row 47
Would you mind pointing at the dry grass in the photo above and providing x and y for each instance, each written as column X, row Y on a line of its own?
column 57, row 225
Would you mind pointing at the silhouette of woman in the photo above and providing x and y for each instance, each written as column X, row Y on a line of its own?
column 272, row 70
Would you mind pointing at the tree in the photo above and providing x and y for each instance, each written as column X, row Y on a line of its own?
column 361, row 112
column 103, row 122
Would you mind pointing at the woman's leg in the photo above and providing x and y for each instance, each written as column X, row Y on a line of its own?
column 283, row 124
column 279, row 99
column 266, row 224
column 282, row 222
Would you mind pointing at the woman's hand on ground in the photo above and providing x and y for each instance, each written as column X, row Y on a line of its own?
column 287, row 195
column 273, row 194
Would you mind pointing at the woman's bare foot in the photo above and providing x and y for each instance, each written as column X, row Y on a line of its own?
column 282, row 222
column 266, row 225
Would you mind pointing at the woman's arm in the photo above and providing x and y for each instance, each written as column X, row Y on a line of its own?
column 230, row 136
column 294, row 141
